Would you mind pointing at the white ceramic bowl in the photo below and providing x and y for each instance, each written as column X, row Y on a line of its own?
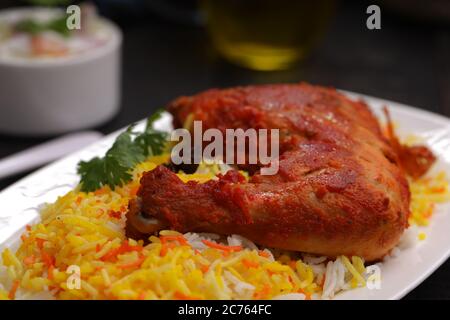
column 51, row 96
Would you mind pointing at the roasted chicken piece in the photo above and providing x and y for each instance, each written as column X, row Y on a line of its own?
column 340, row 189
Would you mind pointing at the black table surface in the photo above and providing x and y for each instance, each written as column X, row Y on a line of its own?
column 406, row 61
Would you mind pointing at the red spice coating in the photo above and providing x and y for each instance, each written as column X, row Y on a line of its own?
column 339, row 189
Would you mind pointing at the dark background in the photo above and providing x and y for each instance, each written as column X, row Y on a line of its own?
column 408, row 61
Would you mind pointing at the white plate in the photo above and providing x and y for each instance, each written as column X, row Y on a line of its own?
column 20, row 202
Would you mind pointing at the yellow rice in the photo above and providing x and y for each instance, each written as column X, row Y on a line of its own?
column 426, row 193
column 87, row 230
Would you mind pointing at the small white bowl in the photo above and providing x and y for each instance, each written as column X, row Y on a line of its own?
column 52, row 96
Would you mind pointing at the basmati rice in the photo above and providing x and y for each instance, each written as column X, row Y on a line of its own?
column 86, row 230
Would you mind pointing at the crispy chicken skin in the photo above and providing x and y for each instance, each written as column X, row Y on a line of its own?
column 339, row 190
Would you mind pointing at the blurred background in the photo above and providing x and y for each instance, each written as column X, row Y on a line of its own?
column 180, row 47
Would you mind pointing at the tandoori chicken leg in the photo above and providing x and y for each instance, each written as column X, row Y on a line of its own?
column 340, row 188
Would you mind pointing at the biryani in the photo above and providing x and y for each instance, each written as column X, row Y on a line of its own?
column 140, row 226
column 86, row 230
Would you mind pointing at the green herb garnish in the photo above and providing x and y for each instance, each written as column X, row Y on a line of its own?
column 34, row 27
column 129, row 149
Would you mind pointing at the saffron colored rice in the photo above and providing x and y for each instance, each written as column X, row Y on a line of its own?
column 79, row 251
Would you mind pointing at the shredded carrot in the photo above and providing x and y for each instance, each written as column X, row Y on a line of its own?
column 40, row 243
column 100, row 191
column 180, row 239
column 23, row 238
column 438, row 190
column 48, row 47
column 221, row 246
column 264, row 254
column 28, row 227
column 134, row 264
column 307, row 295
column 167, row 242
column 290, row 279
column 142, row 296
column 50, row 272
column 429, row 212
column 47, row 259
column 78, row 200
column 29, row 260
column 181, row 296
column 165, row 248
column 12, row 292
column 204, row 268
column 263, row 293
column 112, row 254
column 250, row 264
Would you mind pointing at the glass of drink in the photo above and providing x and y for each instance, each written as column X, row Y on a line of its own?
column 266, row 34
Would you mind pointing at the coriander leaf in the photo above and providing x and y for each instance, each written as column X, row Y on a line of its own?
column 59, row 25
column 29, row 26
column 151, row 143
column 114, row 168
column 153, row 118
column 91, row 174
column 115, row 173
column 34, row 27
column 102, row 171
column 125, row 151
